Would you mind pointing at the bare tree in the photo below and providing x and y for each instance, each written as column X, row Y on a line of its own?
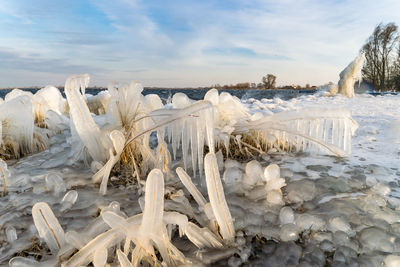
column 269, row 81
column 379, row 50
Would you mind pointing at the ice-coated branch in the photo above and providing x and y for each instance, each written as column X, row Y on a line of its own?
column 217, row 198
column 48, row 226
column 118, row 141
column 187, row 182
column 85, row 127
column 312, row 129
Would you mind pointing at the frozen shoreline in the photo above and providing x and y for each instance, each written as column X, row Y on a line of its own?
column 346, row 211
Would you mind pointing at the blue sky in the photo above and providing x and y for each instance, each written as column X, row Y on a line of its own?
column 184, row 42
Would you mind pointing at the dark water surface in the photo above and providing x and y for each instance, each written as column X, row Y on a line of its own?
column 197, row 94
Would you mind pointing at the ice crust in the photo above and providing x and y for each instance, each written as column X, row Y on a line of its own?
column 291, row 209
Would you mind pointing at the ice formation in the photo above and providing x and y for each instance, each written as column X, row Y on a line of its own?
column 162, row 200
column 349, row 76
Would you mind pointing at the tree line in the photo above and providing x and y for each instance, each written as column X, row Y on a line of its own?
column 382, row 54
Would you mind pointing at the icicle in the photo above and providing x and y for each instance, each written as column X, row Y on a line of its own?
column 48, row 226
column 100, row 257
column 123, row 259
column 118, row 140
column 187, row 182
column 217, row 198
column 154, row 202
column 85, row 255
column 201, row 237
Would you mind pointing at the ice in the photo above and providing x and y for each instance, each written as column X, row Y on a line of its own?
column 55, row 183
column 340, row 224
column 68, row 200
column 327, row 204
column 233, row 176
column 307, row 221
column 84, row 125
column 48, row 226
column 300, row 191
column 217, row 198
column 11, row 234
column 392, row 261
column 289, row 232
column 254, row 173
column 100, row 257
column 274, row 197
column 351, row 74
column 373, row 238
column 286, row 215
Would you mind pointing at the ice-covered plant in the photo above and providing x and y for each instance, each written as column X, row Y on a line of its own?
column 19, row 135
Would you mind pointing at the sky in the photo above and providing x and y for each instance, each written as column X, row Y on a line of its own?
column 184, row 43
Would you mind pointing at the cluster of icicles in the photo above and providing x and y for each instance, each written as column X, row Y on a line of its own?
column 121, row 133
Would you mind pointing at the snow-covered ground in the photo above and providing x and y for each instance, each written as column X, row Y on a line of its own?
column 339, row 211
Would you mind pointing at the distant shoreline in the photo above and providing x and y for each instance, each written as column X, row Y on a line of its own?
column 166, row 88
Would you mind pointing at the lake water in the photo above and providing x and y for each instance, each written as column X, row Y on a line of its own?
column 197, row 94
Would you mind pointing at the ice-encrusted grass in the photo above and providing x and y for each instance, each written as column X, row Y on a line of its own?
column 283, row 208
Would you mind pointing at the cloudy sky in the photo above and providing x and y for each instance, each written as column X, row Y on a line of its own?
column 184, row 42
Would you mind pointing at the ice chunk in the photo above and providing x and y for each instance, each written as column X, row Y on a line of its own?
column 11, row 234
column 274, row 197
column 340, row 224
column 392, row 261
column 289, row 232
column 271, row 172
column 300, row 191
column 55, row 183
column 286, row 215
column 68, row 200
column 48, row 227
column 232, row 176
column 381, row 189
column 212, row 95
column 180, row 100
column 373, row 238
column 307, row 221
column 254, row 173
column 153, row 102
